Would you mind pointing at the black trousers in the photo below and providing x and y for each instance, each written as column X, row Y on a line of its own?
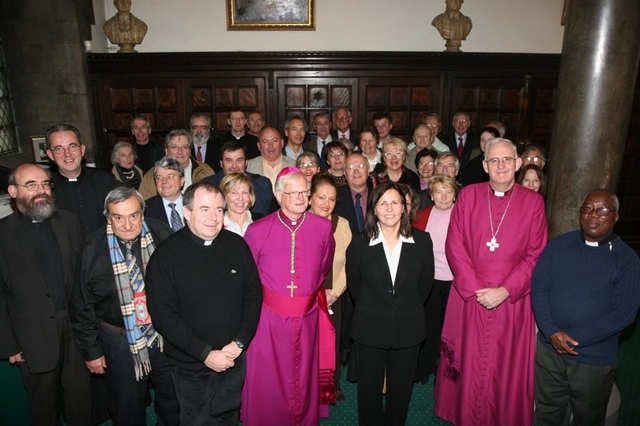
column 127, row 396
column 400, row 366
column 434, row 316
column 68, row 382
column 210, row 398
column 337, row 319
column 564, row 386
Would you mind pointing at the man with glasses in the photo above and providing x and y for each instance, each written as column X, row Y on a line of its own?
column 342, row 121
column 202, row 147
column 461, row 141
column 255, row 122
column 498, row 230
column 79, row 189
column 447, row 164
column 38, row 261
column 533, row 154
column 109, row 313
column 353, row 197
column 584, row 292
column 293, row 250
column 177, row 145
column 148, row 152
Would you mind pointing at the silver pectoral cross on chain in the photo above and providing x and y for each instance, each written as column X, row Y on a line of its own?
column 493, row 244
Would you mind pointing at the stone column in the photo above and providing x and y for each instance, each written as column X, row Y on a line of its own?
column 595, row 93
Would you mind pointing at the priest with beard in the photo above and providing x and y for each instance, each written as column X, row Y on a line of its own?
column 38, row 256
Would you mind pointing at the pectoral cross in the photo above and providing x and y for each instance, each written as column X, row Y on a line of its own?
column 292, row 287
column 493, row 244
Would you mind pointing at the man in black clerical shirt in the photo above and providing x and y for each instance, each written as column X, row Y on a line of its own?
column 148, row 152
column 38, row 257
column 78, row 189
column 109, row 312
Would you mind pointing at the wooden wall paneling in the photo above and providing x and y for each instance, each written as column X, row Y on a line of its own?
column 407, row 99
column 307, row 96
column 216, row 96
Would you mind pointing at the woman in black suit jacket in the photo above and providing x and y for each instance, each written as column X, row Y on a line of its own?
column 389, row 274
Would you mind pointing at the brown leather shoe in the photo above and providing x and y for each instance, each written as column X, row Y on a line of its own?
column 339, row 396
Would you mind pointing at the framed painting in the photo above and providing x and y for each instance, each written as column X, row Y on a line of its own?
column 39, row 149
column 271, row 15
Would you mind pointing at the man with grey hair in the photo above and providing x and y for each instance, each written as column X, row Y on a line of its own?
column 109, row 312
column 295, row 130
column 342, row 120
column 148, row 152
column 205, row 301
column 177, row 145
column 533, row 154
column 203, row 148
column 497, row 231
column 38, row 262
column 167, row 205
column 461, row 141
column 447, row 164
column 423, row 138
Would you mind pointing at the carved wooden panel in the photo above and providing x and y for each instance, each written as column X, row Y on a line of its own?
column 306, row 97
column 217, row 96
column 408, row 100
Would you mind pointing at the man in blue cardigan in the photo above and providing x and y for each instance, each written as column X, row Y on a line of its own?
column 584, row 292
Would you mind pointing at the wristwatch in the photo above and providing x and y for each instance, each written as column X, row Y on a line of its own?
column 240, row 344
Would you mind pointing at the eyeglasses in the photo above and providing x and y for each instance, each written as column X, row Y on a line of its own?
column 600, row 211
column 72, row 147
column 296, row 194
column 308, row 165
column 384, row 204
column 33, row 186
column 336, row 154
column 178, row 147
column 535, row 159
column 393, row 154
column 426, row 163
column 447, row 166
column 433, row 126
column 342, row 117
column 133, row 217
column 461, row 121
column 357, row 166
column 494, row 161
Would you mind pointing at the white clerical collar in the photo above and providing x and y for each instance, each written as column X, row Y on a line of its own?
column 591, row 243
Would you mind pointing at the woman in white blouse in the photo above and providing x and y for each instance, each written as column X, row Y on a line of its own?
column 240, row 197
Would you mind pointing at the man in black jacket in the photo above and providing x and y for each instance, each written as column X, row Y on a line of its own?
column 109, row 314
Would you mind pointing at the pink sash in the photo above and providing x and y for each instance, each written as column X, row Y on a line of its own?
column 297, row 307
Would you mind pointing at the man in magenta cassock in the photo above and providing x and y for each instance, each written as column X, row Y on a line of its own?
column 497, row 232
column 287, row 374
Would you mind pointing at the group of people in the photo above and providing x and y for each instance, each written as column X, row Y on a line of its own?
column 237, row 275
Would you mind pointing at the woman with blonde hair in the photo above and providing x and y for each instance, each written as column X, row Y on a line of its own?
column 240, row 197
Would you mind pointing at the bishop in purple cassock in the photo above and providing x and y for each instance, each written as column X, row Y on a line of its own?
column 293, row 250
column 497, row 232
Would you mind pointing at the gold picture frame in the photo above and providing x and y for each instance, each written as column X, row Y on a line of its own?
column 39, row 146
column 271, row 15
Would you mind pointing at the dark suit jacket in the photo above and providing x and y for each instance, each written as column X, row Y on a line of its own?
column 155, row 209
column 265, row 200
column 345, row 208
column 354, row 136
column 387, row 315
column 310, row 145
column 473, row 141
column 26, row 311
column 95, row 299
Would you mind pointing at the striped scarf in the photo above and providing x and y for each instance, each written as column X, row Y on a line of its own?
column 139, row 338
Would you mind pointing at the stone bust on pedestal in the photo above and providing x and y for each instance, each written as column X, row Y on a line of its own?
column 452, row 25
column 123, row 28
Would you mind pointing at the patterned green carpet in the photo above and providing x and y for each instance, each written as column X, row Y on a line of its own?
column 13, row 403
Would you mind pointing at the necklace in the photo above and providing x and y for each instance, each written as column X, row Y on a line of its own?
column 292, row 286
column 493, row 244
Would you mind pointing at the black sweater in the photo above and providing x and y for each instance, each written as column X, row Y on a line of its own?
column 202, row 297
